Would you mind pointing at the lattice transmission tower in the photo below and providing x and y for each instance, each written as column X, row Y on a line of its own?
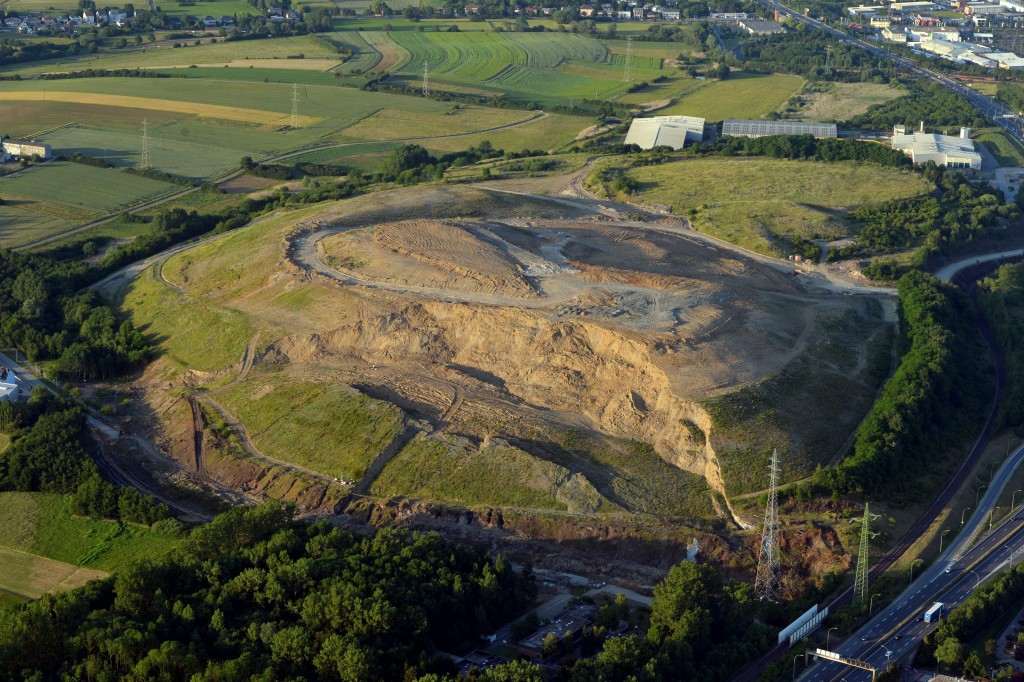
column 145, row 145
column 860, row 582
column 426, row 79
column 295, row 105
column 767, row 585
column 627, row 69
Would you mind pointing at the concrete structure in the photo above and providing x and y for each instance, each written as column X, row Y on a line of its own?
column 26, row 148
column 895, row 34
column 736, row 128
column 665, row 131
column 883, row 21
column 1007, row 60
column 866, row 10
column 10, row 388
column 943, row 150
column 761, row 28
column 912, row 6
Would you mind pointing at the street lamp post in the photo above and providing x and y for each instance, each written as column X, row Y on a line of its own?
column 912, row 568
column 977, row 578
column 1013, row 498
column 871, row 604
column 942, row 537
column 977, row 494
column 990, row 515
column 828, row 634
column 962, row 515
column 794, row 663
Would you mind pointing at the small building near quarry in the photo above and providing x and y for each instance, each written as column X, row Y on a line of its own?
column 26, row 148
column 737, row 128
column 9, row 385
column 665, row 131
column 943, row 150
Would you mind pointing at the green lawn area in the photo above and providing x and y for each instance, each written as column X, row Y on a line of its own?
column 497, row 474
column 83, row 187
column 329, row 428
column 758, row 202
column 43, row 524
column 741, row 96
column 1008, row 152
column 9, row 599
column 5, row 442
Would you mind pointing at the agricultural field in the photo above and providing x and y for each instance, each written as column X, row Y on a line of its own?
column 327, row 427
column 153, row 56
column 43, row 524
column 839, row 101
column 86, row 188
column 33, row 576
column 743, row 202
column 19, row 224
column 393, row 124
column 741, row 96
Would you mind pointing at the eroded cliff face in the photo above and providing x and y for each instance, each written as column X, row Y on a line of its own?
column 573, row 367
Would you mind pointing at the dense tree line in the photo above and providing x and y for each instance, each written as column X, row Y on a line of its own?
column 959, row 213
column 255, row 595
column 47, row 454
column 809, row 147
column 802, row 52
column 932, row 395
column 1012, row 94
column 1001, row 299
column 927, row 102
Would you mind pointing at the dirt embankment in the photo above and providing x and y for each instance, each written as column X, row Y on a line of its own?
column 566, row 366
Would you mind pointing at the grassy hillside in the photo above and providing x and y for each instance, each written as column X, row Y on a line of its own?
column 760, row 203
column 329, row 428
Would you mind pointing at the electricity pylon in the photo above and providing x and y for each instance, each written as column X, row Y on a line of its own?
column 145, row 145
column 860, row 582
column 295, row 105
column 627, row 69
column 426, row 79
column 767, row 585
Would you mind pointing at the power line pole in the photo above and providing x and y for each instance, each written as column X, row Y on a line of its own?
column 145, row 144
column 627, row 69
column 295, row 105
column 767, row 585
column 426, row 79
column 860, row 582
column 828, row 59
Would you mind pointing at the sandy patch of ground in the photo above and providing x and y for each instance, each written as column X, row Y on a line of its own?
column 244, row 184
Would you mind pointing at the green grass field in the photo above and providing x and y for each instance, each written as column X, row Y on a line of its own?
column 743, row 201
column 741, row 96
column 1008, row 152
column 43, row 524
column 329, row 428
column 188, row 330
column 9, row 600
column 82, row 187
column 498, row 475
column 5, row 442
column 19, row 224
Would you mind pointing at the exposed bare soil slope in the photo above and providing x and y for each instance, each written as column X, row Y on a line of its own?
column 546, row 353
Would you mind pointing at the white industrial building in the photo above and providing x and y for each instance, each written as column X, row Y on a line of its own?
column 943, row 150
column 26, row 148
column 9, row 385
column 665, row 131
column 737, row 128
column 1007, row 60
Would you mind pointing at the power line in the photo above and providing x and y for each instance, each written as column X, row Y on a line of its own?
column 426, row 79
column 627, row 70
column 860, row 582
column 145, row 144
column 767, row 585
column 295, row 105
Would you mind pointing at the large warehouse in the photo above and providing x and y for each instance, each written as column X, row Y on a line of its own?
column 737, row 128
column 665, row 131
column 943, row 150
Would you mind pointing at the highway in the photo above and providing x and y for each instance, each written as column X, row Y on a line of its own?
column 988, row 106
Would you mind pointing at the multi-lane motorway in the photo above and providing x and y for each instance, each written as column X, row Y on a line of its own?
column 988, row 106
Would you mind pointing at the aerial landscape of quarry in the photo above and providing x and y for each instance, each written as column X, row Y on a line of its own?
column 424, row 341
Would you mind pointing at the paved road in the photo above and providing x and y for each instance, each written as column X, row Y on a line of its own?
column 988, row 106
column 949, row 272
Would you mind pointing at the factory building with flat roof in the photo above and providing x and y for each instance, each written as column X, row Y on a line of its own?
column 943, row 150
column 737, row 128
column 25, row 148
column 665, row 131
